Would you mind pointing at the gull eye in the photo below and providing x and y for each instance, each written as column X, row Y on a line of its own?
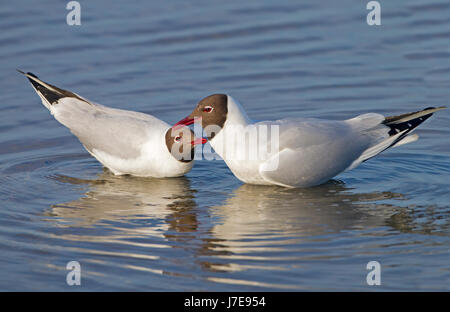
column 177, row 139
column 208, row 109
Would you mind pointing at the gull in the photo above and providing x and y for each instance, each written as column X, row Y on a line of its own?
column 302, row 152
column 126, row 142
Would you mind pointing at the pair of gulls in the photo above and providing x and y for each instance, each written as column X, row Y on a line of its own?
column 308, row 151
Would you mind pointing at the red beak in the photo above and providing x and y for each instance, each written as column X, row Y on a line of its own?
column 185, row 122
column 198, row 141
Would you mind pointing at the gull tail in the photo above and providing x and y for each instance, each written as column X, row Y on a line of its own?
column 48, row 93
column 400, row 128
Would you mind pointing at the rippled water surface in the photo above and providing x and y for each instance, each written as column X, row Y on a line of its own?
column 208, row 231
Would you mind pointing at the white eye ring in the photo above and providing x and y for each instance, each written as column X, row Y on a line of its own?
column 208, row 109
column 177, row 139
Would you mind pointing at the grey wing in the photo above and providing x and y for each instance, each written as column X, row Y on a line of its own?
column 327, row 148
column 311, row 151
column 309, row 133
column 116, row 132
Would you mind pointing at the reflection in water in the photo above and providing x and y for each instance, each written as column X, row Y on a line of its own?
column 257, row 227
column 249, row 210
column 113, row 198
column 254, row 210
column 269, row 224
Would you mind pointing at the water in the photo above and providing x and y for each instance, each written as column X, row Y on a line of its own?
column 208, row 231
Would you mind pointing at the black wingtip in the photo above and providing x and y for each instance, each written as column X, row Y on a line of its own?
column 32, row 75
column 408, row 125
column 50, row 92
column 29, row 74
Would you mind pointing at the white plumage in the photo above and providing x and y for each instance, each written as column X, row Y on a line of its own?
column 125, row 142
column 309, row 151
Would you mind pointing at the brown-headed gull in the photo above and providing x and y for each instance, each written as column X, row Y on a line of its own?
column 125, row 142
column 297, row 152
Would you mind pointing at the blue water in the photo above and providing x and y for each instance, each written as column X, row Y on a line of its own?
column 207, row 231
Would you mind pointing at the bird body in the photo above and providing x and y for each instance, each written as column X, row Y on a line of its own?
column 298, row 152
column 126, row 142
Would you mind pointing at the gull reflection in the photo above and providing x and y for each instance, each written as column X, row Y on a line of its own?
column 255, row 210
column 124, row 201
column 262, row 223
column 256, row 227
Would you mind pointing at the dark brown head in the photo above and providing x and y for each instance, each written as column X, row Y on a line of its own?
column 181, row 143
column 212, row 111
